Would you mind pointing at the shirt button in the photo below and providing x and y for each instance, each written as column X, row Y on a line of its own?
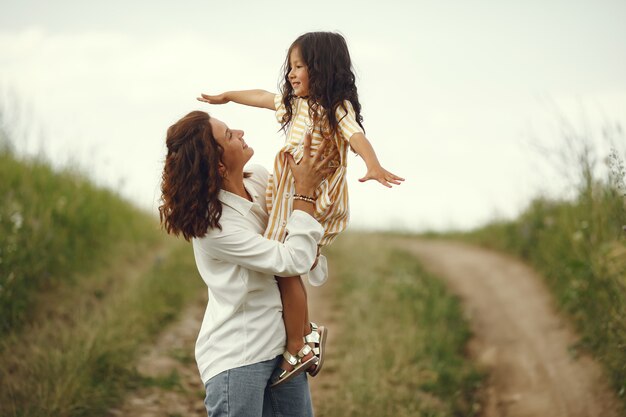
column 283, row 223
column 287, row 195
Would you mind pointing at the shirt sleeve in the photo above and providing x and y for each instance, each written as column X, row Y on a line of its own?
column 280, row 107
column 346, row 118
column 251, row 250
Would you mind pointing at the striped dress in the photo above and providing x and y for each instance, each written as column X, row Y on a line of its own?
column 331, row 207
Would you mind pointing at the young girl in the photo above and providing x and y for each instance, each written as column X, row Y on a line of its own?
column 319, row 98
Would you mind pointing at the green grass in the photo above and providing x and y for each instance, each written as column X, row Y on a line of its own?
column 400, row 346
column 86, row 280
column 82, row 362
column 579, row 246
column 169, row 382
column 53, row 225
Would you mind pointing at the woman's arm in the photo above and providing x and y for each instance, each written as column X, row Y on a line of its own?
column 309, row 173
column 297, row 254
column 255, row 98
column 250, row 250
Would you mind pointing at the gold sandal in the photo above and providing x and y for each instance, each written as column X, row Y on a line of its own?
column 318, row 338
column 298, row 365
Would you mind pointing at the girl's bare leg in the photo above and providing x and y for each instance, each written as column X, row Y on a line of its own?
column 295, row 313
column 307, row 321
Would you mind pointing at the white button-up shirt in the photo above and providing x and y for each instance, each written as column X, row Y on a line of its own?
column 243, row 322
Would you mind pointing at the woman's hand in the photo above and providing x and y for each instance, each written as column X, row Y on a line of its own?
column 218, row 99
column 312, row 169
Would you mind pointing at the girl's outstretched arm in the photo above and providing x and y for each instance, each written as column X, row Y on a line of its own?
column 255, row 98
column 375, row 171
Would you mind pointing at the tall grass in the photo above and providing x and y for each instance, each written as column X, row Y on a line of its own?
column 85, row 280
column 54, row 224
column 400, row 345
column 579, row 246
column 82, row 362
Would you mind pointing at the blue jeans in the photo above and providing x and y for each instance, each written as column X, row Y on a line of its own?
column 246, row 392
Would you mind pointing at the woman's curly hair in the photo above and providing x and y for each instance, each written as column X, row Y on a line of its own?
column 331, row 80
column 191, row 181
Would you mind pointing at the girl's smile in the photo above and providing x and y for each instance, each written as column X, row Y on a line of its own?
column 298, row 73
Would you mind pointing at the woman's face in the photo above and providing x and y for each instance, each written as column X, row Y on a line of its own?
column 236, row 152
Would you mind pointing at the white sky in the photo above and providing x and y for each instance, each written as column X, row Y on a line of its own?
column 453, row 92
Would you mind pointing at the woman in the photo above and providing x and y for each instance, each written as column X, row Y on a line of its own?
column 210, row 200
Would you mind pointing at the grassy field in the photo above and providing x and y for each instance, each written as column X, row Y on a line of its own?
column 53, row 225
column 85, row 280
column 579, row 246
column 82, row 360
column 401, row 337
column 88, row 281
column 71, row 351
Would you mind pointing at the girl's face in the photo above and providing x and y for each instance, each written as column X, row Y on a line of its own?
column 236, row 152
column 299, row 73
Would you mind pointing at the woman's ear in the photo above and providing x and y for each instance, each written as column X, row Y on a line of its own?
column 221, row 168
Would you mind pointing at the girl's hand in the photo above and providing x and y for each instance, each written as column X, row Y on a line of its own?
column 218, row 99
column 381, row 175
column 309, row 173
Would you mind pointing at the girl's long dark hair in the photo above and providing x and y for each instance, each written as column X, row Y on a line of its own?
column 331, row 79
column 191, row 180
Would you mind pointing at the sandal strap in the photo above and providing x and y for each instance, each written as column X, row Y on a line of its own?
column 291, row 360
column 306, row 349
column 314, row 336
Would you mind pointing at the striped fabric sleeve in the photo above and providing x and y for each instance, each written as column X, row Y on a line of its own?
column 348, row 125
column 280, row 107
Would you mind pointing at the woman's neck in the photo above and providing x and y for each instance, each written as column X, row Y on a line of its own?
column 236, row 186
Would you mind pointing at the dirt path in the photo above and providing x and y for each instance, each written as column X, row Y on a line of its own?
column 173, row 353
column 520, row 340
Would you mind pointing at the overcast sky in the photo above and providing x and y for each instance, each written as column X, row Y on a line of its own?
column 460, row 97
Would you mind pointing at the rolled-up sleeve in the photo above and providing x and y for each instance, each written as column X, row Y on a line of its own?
column 252, row 251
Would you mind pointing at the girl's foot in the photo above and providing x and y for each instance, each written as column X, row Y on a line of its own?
column 295, row 365
column 300, row 352
column 317, row 340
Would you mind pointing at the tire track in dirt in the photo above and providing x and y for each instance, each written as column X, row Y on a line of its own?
column 518, row 336
column 171, row 354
